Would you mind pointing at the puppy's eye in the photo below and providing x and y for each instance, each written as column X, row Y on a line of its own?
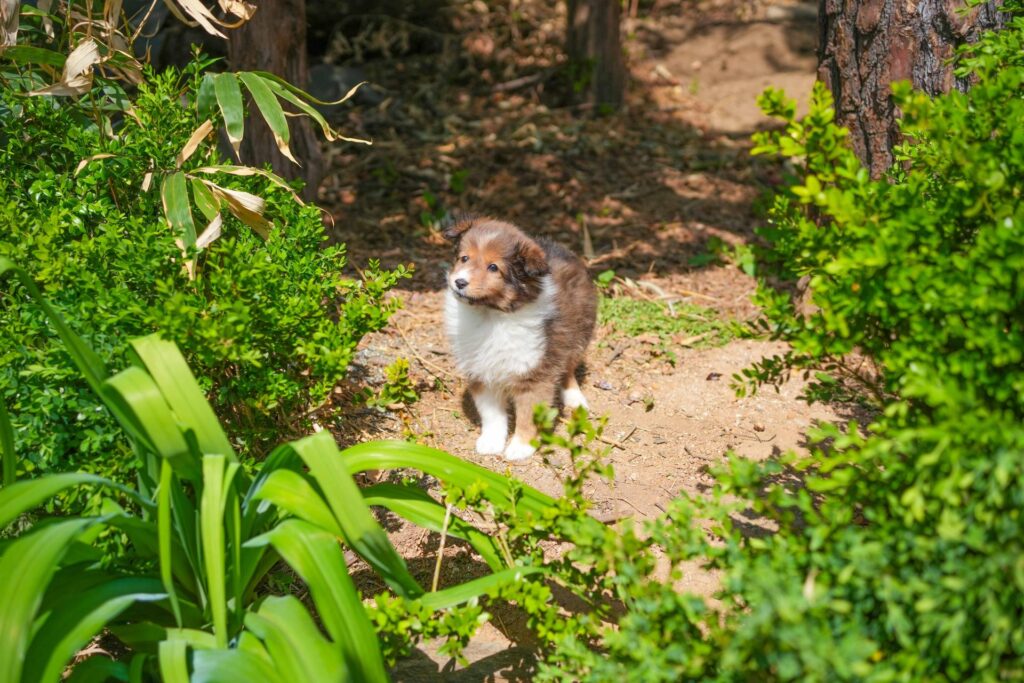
column 493, row 268
column 464, row 259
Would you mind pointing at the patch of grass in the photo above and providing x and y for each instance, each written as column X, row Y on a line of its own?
column 673, row 327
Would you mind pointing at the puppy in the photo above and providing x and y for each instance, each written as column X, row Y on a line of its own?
column 520, row 313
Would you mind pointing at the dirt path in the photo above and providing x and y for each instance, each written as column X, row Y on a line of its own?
column 656, row 187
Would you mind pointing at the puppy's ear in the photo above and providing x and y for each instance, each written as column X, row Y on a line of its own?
column 530, row 259
column 456, row 225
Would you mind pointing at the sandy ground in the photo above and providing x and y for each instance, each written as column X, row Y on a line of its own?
column 653, row 185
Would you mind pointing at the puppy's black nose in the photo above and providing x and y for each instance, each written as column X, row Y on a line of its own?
column 461, row 284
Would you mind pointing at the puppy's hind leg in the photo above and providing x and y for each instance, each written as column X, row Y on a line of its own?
column 572, row 396
column 520, row 447
column 490, row 404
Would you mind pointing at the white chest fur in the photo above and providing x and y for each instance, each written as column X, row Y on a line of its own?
column 494, row 347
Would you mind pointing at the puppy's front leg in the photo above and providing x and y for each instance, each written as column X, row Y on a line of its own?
column 520, row 447
column 490, row 405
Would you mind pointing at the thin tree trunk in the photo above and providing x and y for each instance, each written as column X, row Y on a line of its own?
column 864, row 45
column 274, row 40
column 595, row 52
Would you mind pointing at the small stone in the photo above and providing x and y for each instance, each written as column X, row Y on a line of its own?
column 758, row 427
column 604, row 385
column 714, row 376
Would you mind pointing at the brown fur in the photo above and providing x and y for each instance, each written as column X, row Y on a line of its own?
column 521, row 262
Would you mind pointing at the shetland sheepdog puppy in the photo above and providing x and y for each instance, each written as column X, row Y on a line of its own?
column 520, row 313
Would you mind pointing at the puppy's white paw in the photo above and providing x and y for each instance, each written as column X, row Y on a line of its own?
column 490, row 443
column 518, row 449
column 573, row 399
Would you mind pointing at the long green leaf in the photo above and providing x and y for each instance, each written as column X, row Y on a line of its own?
column 357, row 523
column 316, row 556
column 205, row 201
column 98, row 669
column 229, row 99
column 498, row 489
column 23, row 496
column 26, row 567
column 178, row 385
column 81, row 616
column 289, row 94
column 217, row 477
column 88, row 363
column 139, row 397
column 173, row 656
column 294, row 643
column 27, row 54
column 469, row 590
column 233, row 666
column 164, row 523
column 271, row 109
column 416, row 505
column 292, row 493
column 8, row 460
column 174, row 195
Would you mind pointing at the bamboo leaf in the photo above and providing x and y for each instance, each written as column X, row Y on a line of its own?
column 416, row 506
column 229, row 98
column 205, row 201
column 26, row 566
column 316, row 556
column 174, row 194
column 289, row 94
column 470, row 590
column 86, row 161
column 211, row 233
column 249, row 171
column 28, row 54
column 271, row 110
column 196, row 139
column 246, row 207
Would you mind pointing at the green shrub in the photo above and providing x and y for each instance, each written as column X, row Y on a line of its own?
column 270, row 324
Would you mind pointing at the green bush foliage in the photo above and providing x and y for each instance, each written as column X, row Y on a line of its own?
column 270, row 324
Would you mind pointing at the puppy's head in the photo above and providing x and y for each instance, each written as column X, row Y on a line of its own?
column 496, row 264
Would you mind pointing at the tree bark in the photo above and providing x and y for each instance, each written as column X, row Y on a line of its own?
column 595, row 52
column 864, row 45
column 274, row 40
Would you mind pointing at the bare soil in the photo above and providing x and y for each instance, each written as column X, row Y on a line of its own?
column 652, row 184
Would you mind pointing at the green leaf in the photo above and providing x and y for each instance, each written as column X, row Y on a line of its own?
column 164, row 519
column 27, row 54
column 174, row 195
column 271, row 109
column 206, row 98
column 294, row 643
column 292, row 493
column 23, row 496
column 205, row 201
column 229, row 98
column 172, row 375
column 77, row 618
column 173, row 656
column 357, row 523
column 217, row 478
column 469, row 590
column 8, row 460
column 26, row 566
column 232, row 666
column 98, row 669
column 302, row 100
column 415, row 505
column 316, row 556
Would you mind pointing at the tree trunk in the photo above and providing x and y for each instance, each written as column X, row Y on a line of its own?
column 595, row 52
column 274, row 40
column 864, row 45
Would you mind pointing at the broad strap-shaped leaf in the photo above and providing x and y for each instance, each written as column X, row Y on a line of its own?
column 79, row 617
column 85, row 359
column 205, row 201
column 357, row 523
column 172, row 375
column 498, row 489
column 415, row 505
column 302, row 101
column 229, row 99
column 290, row 492
column 8, row 460
column 26, row 566
column 271, row 110
column 177, row 211
column 28, row 54
column 98, row 669
column 164, row 524
column 296, row 646
column 218, row 474
column 23, row 496
column 470, row 590
column 315, row 556
column 233, row 666
column 173, row 658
